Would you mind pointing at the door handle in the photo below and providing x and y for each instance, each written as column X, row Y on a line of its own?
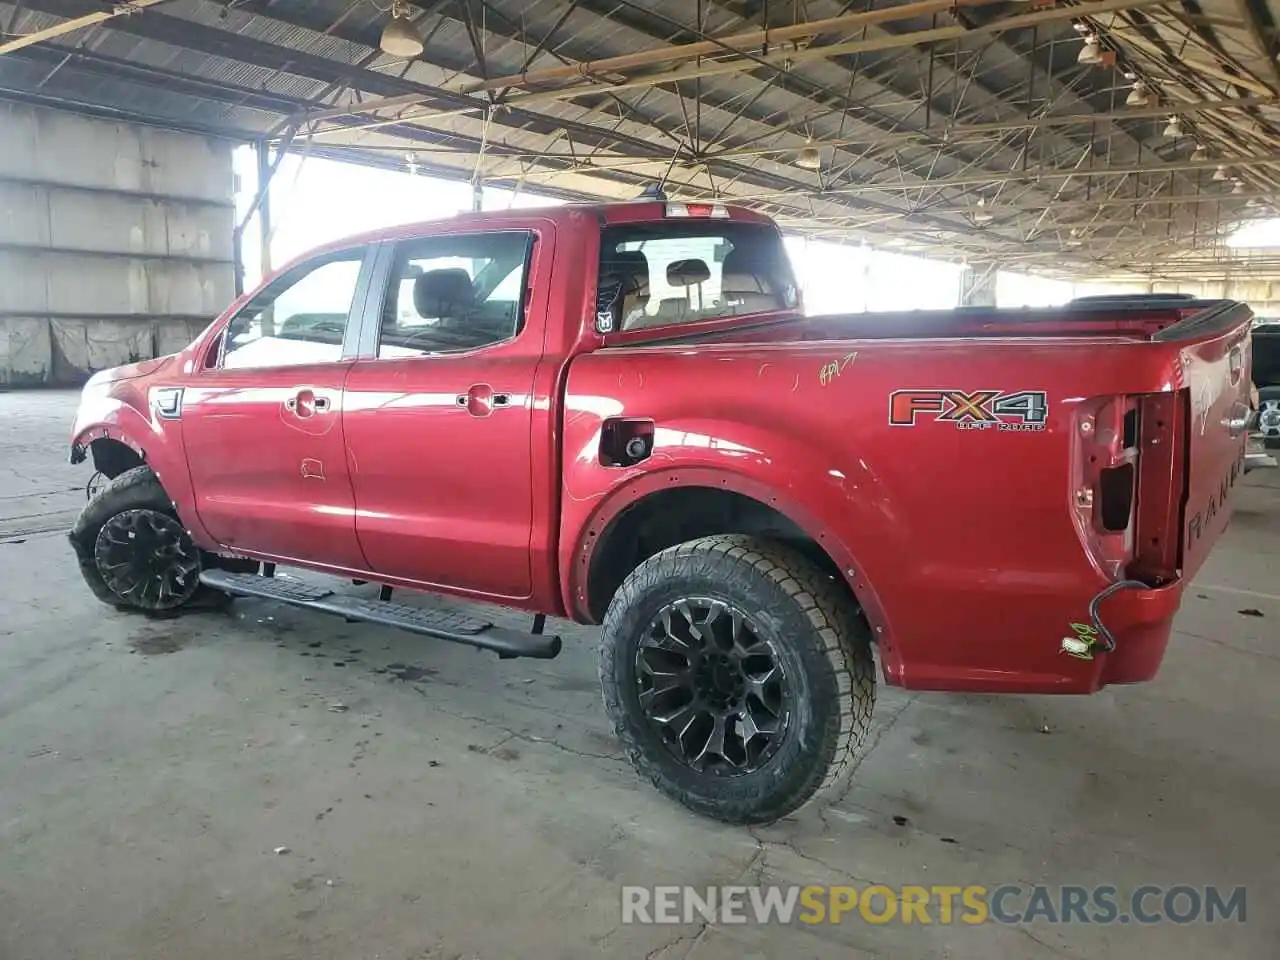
column 1238, row 420
column 305, row 403
column 480, row 400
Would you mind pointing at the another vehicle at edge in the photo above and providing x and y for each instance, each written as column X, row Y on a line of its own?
column 1266, row 376
column 620, row 415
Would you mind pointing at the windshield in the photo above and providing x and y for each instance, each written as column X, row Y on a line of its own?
column 679, row 271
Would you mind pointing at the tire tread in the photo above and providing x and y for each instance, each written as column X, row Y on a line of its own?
column 844, row 641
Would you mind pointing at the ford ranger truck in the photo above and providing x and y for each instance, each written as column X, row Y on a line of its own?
column 620, row 415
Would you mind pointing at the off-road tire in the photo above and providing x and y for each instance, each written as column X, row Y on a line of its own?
column 136, row 489
column 1268, row 397
column 815, row 626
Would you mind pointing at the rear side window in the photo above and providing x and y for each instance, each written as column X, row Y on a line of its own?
column 678, row 271
column 454, row 294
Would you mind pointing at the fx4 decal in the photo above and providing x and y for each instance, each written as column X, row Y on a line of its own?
column 1026, row 410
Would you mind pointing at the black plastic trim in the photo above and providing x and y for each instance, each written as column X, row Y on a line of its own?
column 443, row 625
column 1223, row 316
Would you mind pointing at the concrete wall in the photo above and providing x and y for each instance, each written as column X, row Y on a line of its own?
column 115, row 242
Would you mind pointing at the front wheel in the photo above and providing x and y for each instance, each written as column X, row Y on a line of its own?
column 738, row 677
column 133, row 550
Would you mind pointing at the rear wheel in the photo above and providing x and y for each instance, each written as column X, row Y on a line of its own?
column 134, row 552
column 738, row 676
column 1269, row 414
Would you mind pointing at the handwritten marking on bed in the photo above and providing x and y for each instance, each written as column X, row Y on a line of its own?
column 833, row 369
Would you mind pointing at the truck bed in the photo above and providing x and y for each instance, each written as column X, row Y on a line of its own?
column 1136, row 319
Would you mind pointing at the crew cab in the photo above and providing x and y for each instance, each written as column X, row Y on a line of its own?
column 621, row 415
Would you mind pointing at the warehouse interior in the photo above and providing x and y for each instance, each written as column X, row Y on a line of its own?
column 211, row 783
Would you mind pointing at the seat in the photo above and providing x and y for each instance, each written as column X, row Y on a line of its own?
column 630, row 269
column 443, row 294
column 690, row 274
column 745, row 285
column 445, row 299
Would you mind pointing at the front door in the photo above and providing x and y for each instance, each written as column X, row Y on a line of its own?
column 263, row 422
column 438, row 416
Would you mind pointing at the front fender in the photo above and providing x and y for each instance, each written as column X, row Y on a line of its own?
column 121, row 411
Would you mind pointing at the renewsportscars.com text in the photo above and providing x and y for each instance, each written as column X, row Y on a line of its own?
column 935, row 904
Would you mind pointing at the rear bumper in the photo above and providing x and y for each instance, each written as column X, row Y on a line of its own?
column 1142, row 622
column 1032, row 657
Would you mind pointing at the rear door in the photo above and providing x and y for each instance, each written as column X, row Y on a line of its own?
column 262, row 422
column 439, row 412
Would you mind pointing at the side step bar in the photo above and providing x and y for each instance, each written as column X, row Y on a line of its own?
column 443, row 625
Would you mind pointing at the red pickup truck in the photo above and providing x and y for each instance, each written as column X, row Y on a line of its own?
column 620, row 414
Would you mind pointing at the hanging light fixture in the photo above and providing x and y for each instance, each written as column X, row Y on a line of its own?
column 1139, row 96
column 1219, row 174
column 809, row 158
column 1237, row 187
column 982, row 214
column 1173, row 130
column 411, row 162
column 399, row 38
column 1091, row 52
column 1200, row 153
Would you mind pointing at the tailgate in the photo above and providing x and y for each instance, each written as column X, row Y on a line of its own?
column 1215, row 364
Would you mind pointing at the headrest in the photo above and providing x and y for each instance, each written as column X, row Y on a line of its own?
column 741, row 272
column 739, row 261
column 443, row 293
column 628, row 262
column 685, row 273
column 630, row 268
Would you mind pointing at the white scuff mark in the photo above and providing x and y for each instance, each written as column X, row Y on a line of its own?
column 834, row 368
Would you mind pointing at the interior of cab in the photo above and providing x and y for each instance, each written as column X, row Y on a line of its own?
column 452, row 294
column 658, row 274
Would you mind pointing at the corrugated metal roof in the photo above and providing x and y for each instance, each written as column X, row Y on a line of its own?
column 895, row 122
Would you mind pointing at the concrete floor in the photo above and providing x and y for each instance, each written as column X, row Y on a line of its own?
column 464, row 807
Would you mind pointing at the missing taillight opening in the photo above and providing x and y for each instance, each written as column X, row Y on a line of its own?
column 1115, row 484
column 1131, row 429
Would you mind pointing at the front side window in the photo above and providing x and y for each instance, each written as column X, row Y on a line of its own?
column 454, row 294
column 678, row 271
column 300, row 318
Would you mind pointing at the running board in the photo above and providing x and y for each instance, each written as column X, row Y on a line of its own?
column 443, row 625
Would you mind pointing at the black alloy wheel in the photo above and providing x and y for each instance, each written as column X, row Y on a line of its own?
column 717, row 691
column 147, row 559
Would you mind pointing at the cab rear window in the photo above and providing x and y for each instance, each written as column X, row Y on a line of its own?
column 678, row 271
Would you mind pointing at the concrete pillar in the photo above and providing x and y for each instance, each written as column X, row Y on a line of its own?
column 978, row 285
column 115, row 242
column 263, row 154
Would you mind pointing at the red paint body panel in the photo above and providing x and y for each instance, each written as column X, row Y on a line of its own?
column 269, row 469
column 967, row 537
column 455, row 507
column 972, row 546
